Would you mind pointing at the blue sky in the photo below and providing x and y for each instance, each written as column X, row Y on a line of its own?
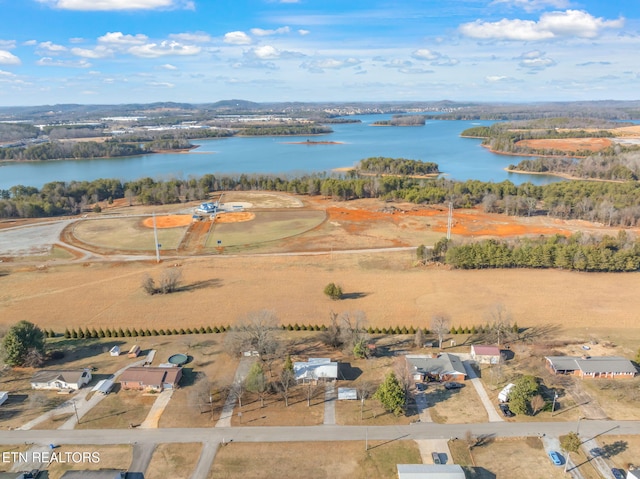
column 122, row 51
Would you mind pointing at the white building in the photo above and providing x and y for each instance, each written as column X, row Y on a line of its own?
column 59, row 380
column 315, row 369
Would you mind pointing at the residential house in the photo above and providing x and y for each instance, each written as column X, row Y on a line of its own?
column 315, row 369
column 150, row 378
column 485, row 354
column 438, row 367
column 633, row 474
column 592, row 367
column 430, row 471
column 61, row 379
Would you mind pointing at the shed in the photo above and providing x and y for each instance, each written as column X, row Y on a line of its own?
column 150, row 357
column 485, row 354
column 115, row 351
column 430, row 471
column 134, row 351
column 3, row 396
column 503, row 396
column 103, row 386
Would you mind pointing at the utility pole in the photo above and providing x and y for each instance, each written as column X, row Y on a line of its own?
column 75, row 410
column 450, row 220
column 553, row 407
column 155, row 237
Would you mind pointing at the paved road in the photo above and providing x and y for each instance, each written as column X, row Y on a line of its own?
column 588, row 429
column 330, row 397
column 205, row 462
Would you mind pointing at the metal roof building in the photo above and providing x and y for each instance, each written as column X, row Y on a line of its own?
column 430, row 471
column 445, row 366
column 611, row 367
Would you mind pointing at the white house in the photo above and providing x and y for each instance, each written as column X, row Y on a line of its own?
column 115, row 351
column 315, row 369
column 61, row 379
column 633, row 474
column 3, row 397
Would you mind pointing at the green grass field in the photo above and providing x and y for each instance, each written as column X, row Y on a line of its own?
column 126, row 234
column 267, row 226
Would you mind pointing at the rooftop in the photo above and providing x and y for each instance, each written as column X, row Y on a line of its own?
column 445, row 363
column 594, row 364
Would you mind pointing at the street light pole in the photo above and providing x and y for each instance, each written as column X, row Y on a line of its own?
column 578, row 427
column 553, row 407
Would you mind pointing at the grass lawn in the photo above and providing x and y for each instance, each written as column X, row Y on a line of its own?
column 109, row 457
column 175, row 461
column 513, row 457
column 118, row 410
column 324, row 460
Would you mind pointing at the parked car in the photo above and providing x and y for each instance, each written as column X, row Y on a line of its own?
column 436, row 458
column 453, row 385
column 421, row 386
column 555, row 458
column 596, row 451
column 506, row 412
column 617, row 473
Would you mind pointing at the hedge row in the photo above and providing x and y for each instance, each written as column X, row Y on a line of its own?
column 128, row 333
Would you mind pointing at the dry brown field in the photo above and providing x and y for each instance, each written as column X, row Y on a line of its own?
column 567, row 144
column 330, row 460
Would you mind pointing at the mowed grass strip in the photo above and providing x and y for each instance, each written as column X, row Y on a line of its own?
column 267, row 226
column 313, row 460
column 126, row 234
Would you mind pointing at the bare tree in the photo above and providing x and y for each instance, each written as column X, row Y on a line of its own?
column 500, row 323
column 365, row 389
column 170, row 280
column 353, row 329
column 201, row 394
column 331, row 336
column 404, row 374
column 310, row 390
column 285, row 384
column 237, row 391
column 440, row 324
column 537, row 403
column 418, row 339
column 256, row 332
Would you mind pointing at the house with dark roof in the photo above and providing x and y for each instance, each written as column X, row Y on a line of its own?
column 439, row 367
column 485, row 354
column 150, row 378
column 61, row 379
column 592, row 367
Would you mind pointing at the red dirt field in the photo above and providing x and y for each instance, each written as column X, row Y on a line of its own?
column 170, row 221
column 567, row 144
column 236, row 217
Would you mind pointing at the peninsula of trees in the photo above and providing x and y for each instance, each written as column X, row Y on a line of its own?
column 397, row 166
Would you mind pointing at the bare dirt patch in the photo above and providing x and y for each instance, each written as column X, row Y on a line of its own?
column 170, row 221
column 313, row 460
column 567, row 144
column 237, row 217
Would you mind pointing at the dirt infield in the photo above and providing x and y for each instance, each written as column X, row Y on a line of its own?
column 235, row 217
column 170, row 221
column 567, row 144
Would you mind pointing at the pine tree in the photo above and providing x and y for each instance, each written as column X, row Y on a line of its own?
column 391, row 394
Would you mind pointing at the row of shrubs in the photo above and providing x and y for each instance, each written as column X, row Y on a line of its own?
column 128, row 333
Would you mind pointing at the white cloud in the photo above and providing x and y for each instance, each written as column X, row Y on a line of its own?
column 76, row 40
column 7, row 44
column 51, row 48
column 303, row 32
column 318, row 66
column 119, row 38
column 106, row 5
column 98, row 52
column 155, row 50
column 535, row 60
column 499, row 79
column 50, row 62
column 571, row 23
column 259, row 32
column 237, row 38
column 29, row 43
column 198, row 37
column 8, row 58
column 266, row 52
column 169, row 66
column 161, row 84
column 532, row 5
column 425, row 54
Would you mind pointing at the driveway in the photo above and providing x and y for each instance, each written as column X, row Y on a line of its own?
column 486, row 402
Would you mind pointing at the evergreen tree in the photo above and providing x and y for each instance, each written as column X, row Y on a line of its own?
column 391, row 394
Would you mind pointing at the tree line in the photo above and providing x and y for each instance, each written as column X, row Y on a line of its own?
column 613, row 204
column 577, row 252
column 396, row 166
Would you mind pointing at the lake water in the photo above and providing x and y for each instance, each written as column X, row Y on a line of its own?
column 437, row 141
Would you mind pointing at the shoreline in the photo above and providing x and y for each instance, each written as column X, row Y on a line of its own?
column 346, row 169
column 560, row 175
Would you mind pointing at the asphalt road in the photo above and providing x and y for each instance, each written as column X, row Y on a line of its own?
column 588, row 429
